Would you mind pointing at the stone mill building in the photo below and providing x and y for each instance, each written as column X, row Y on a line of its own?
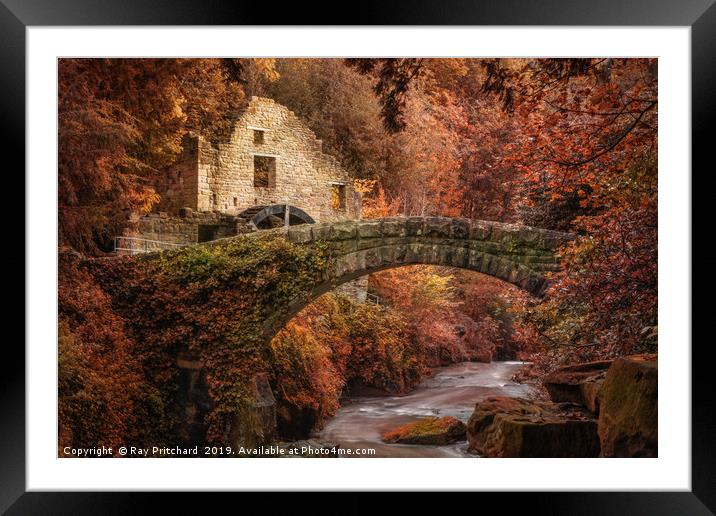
column 271, row 172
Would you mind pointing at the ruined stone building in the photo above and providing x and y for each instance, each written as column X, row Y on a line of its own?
column 271, row 172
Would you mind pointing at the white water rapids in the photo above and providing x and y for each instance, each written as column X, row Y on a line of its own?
column 452, row 391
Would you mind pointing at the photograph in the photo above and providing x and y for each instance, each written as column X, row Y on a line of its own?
column 357, row 257
column 430, row 250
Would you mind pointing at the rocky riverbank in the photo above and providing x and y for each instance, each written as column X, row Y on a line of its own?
column 449, row 395
column 595, row 409
column 605, row 409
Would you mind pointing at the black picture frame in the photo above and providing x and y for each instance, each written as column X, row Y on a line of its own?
column 700, row 15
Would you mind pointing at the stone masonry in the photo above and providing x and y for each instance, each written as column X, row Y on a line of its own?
column 190, row 227
column 223, row 178
column 517, row 254
column 271, row 160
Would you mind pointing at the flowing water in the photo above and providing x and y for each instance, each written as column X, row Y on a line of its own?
column 452, row 391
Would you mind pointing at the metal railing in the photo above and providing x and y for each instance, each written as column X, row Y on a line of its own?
column 135, row 245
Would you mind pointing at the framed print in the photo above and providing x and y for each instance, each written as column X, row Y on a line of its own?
column 427, row 251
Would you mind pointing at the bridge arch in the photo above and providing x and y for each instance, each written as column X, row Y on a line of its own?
column 518, row 254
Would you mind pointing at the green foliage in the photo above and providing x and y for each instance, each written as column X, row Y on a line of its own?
column 211, row 302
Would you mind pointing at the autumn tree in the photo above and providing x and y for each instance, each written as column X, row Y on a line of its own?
column 121, row 122
column 394, row 77
column 339, row 105
column 587, row 147
column 566, row 144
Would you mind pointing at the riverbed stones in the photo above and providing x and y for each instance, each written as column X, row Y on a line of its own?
column 431, row 431
column 502, row 426
column 577, row 383
column 628, row 417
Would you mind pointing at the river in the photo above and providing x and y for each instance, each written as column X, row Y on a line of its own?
column 451, row 391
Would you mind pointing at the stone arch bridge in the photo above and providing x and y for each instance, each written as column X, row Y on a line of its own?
column 517, row 254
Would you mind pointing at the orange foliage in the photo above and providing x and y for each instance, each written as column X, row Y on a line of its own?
column 426, row 430
column 121, row 122
column 103, row 395
column 329, row 344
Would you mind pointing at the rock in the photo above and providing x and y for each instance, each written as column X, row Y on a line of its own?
column 192, row 399
column 432, row 430
column 294, row 422
column 514, row 427
column 256, row 424
column 579, row 383
column 628, row 422
column 357, row 388
column 264, row 406
column 590, row 394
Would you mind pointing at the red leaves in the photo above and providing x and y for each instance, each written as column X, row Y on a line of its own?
column 332, row 343
column 101, row 388
column 606, row 296
column 121, row 121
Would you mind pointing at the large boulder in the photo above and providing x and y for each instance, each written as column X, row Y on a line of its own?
column 255, row 424
column 502, row 426
column 628, row 422
column 579, row 383
column 431, row 430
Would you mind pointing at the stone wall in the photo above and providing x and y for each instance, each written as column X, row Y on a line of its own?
column 189, row 227
column 221, row 177
column 356, row 289
column 180, row 187
column 517, row 254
